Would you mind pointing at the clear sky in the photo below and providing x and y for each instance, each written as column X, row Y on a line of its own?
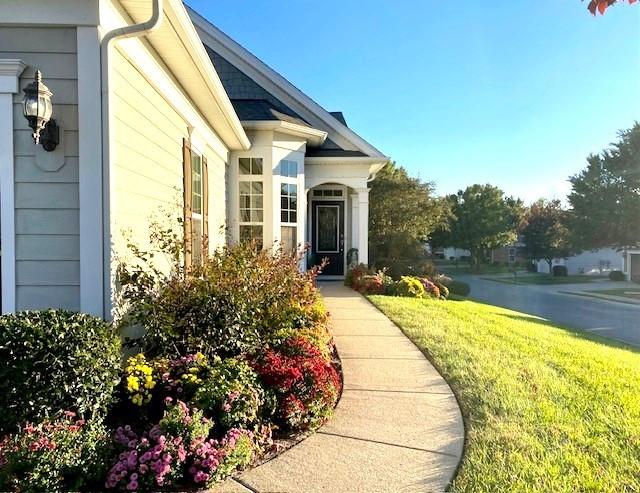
column 515, row 92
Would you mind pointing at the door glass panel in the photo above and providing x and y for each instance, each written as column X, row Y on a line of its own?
column 327, row 228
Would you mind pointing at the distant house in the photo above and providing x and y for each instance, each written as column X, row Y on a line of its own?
column 601, row 261
column 509, row 254
column 171, row 114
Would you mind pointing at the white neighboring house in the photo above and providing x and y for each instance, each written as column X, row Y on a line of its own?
column 601, row 261
column 158, row 109
column 631, row 264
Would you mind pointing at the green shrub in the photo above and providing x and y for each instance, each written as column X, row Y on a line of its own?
column 228, row 306
column 617, row 275
column 458, row 288
column 410, row 287
column 397, row 267
column 560, row 271
column 54, row 360
column 55, row 456
column 231, row 395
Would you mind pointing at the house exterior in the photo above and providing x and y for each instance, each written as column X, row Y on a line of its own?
column 600, row 261
column 158, row 113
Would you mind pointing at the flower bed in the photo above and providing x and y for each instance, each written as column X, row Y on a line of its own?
column 437, row 286
column 236, row 356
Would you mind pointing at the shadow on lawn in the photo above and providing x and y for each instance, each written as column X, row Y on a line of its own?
column 574, row 332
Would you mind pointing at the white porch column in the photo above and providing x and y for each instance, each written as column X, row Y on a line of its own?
column 10, row 70
column 363, row 225
column 355, row 220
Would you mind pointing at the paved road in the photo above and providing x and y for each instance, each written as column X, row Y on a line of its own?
column 606, row 318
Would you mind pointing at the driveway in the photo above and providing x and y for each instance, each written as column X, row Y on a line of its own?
column 611, row 319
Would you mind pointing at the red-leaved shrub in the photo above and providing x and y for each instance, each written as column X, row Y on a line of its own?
column 304, row 382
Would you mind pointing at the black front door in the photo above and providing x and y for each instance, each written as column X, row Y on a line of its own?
column 328, row 236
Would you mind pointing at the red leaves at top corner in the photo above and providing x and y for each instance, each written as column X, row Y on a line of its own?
column 602, row 5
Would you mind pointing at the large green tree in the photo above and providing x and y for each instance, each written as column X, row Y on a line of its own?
column 545, row 232
column 482, row 219
column 403, row 212
column 605, row 196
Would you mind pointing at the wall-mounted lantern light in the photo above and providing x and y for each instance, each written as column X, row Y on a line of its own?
column 37, row 109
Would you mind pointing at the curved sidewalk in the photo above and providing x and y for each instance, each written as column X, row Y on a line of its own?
column 397, row 427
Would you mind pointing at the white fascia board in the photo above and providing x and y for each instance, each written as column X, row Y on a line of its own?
column 203, row 62
column 313, row 136
column 372, row 161
column 137, row 52
column 276, row 83
column 195, row 65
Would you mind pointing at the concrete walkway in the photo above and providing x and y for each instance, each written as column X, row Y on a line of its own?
column 397, row 427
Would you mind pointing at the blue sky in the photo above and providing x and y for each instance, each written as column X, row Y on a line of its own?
column 514, row 93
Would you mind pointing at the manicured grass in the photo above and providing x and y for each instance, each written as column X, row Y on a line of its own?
column 633, row 293
column 544, row 279
column 546, row 409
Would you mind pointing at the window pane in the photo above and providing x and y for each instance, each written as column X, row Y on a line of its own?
column 292, row 217
column 256, row 187
column 251, row 233
column 245, row 187
column 288, row 238
column 284, row 203
column 284, row 216
column 245, row 166
column 256, row 216
column 245, row 201
column 317, row 193
column 256, row 166
column 196, row 240
column 256, row 201
column 245, row 215
column 196, row 183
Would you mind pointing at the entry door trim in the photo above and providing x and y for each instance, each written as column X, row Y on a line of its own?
column 317, row 231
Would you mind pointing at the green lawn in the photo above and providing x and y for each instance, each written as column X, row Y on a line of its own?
column 632, row 293
column 544, row 279
column 546, row 409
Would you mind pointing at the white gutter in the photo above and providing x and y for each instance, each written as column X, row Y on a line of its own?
column 134, row 30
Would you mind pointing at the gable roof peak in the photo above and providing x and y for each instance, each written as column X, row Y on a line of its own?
column 285, row 91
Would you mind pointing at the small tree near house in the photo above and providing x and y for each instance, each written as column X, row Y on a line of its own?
column 545, row 233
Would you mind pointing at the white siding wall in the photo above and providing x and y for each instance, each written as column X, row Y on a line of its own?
column 147, row 176
column 47, row 223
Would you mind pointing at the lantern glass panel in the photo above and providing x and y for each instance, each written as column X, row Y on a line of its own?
column 30, row 106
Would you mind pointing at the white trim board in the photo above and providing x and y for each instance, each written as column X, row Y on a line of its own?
column 276, row 84
column 90, row 171
column 10, row 70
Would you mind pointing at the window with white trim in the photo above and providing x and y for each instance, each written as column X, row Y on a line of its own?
column 195, row 178
column 289, row 205
column 251, row 205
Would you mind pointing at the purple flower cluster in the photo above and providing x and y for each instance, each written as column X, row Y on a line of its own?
column 149, row 459
column 207, row 455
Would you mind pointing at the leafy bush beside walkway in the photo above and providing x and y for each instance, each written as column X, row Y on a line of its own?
column 546, row 409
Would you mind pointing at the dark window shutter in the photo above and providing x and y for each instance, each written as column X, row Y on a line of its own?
column 205, row 207
column 186, row 171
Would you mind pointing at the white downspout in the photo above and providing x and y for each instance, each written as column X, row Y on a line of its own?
column 134, row 30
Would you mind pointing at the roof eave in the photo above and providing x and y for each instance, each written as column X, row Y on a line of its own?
column 313, row 136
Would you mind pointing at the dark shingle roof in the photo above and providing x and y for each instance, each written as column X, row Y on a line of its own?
column 338, row 115
column 261, row 110
column 322, row 152
column 252, row 102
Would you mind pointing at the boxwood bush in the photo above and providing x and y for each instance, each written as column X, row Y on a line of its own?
column 616, row 275
column 55, row 360
column 458, row 288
